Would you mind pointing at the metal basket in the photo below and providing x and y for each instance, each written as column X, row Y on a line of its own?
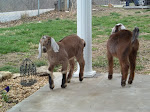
column 27, row 71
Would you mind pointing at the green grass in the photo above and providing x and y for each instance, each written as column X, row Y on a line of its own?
column 139, row 67
column 102, row 61
column 10, row 69
column 40, row 63
column 56, row 68
column 115, row 14
column 94, row 49
column 18, row 38
column 25, row 37
column 147, row 10
column 137, row 12
column 146, row 37
column 102, row 25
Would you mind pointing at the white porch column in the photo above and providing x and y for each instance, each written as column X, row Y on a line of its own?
column 84, row 30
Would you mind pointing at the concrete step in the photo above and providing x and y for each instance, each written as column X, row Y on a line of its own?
column 97, row 94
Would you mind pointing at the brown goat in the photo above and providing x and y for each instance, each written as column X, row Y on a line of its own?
column 63, row 52
column 124, row 45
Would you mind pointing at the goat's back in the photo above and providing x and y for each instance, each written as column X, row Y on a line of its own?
column 119, row 43
column 73, row 45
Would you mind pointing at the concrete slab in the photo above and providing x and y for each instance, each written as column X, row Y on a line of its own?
column 96, row 94
column 137, row 7
column 10, row 16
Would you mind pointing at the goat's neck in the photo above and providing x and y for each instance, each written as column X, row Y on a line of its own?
column 51, row 52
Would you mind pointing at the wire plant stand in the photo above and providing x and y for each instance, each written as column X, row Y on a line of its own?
column 27, row 72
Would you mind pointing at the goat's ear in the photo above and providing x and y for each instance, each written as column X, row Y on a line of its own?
column 54, row 45
column 40, row 50
column 113, row 30
column 122, row 27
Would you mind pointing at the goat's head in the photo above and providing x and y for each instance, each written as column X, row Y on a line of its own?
column 117, row 28
column 47, row 43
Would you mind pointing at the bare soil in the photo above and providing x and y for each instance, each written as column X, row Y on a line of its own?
column 18, row 92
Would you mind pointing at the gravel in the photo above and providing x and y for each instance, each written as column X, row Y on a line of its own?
column 18, row 92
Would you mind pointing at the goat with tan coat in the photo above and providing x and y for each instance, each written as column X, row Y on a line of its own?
column 63, row 52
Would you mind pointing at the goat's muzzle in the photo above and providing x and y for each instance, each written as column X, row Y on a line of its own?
column 44, row 49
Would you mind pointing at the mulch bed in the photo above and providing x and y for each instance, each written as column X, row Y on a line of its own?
column 18, row 92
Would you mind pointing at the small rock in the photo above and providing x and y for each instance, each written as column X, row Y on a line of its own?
column 94, row 9
column 37, row 87
column 42, row 70
column 32, row 87
column 16, row 101
column 5, row 75
column 25, row 91
column 0, row 78
column 10, row 101
column 1, row 104
column 15, row 75
column 26, row 95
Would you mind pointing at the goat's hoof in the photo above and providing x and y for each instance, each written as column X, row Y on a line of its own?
column 51, row 87
column 63, row 86
column 81, row 79
column 123, row 83
column 130, row 82
column 109, row 77
column 68, row 80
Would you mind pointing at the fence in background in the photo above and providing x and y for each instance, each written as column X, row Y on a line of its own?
column 14, row 9
column 21, row 5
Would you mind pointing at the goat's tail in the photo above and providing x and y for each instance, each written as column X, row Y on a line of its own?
column 135, row 34
column 83, row 42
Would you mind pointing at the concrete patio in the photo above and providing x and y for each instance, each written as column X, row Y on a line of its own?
column 97, row 94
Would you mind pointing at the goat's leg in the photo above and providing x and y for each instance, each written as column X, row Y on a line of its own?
column 82, row 64
column 64, row 73
column 124, row 70
column 71, row 62
column 120, row 66
column 110, row 66
column 51, row 77
column 132, row 59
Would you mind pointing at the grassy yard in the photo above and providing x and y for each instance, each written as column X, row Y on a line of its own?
column 22, row 38
column 25, row 38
